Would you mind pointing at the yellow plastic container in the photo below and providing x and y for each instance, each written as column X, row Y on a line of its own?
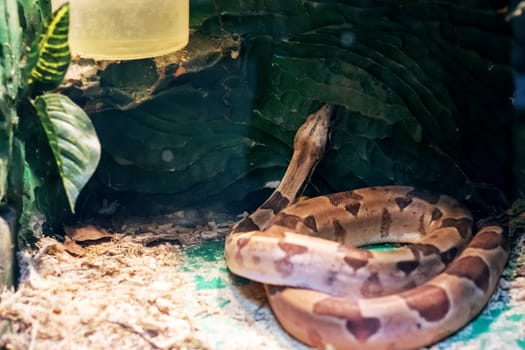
column 127, row 29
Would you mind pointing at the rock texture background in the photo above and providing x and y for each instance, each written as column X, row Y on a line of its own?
column 423, row 90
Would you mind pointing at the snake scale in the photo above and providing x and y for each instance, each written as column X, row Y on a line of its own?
column 329, row 294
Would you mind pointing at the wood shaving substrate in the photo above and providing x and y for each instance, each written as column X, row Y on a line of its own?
column 118, row 295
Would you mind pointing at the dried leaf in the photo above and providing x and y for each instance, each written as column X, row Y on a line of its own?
column 73, row 248
column 87, row 233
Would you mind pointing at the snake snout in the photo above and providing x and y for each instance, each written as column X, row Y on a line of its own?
column 315, row 129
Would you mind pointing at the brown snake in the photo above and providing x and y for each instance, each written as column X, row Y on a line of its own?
column 331, row 295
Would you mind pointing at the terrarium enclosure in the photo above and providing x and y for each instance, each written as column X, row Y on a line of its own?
column 127, row 155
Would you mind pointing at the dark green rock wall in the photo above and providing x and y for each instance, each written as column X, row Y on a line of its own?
column 423, row 90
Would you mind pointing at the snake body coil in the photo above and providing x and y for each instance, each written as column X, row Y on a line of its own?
column 329, row 294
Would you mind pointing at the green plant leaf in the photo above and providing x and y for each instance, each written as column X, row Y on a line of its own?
column 53, row 52
column 73, row 141
column 10, row 56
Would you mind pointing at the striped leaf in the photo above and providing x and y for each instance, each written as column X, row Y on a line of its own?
column 53, row 52
column 72, row 139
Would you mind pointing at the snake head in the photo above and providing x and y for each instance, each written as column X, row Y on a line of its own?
column 313, row 135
